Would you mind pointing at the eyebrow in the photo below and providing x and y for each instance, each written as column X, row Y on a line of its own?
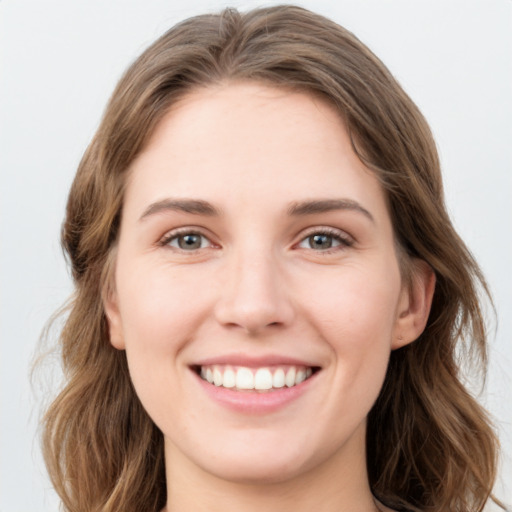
column 298, row 208
column 327, row 205
column 193, row 206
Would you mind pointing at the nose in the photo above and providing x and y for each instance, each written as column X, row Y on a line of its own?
column 254, row 296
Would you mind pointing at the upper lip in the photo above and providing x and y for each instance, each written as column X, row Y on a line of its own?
column 254, row 361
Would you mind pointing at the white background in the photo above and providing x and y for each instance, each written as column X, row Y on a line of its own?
column 60, row 60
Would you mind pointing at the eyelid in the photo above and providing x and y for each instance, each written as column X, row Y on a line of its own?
column 342, row 236
column 185, row 230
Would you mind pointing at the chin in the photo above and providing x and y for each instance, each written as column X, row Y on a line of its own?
column 257, row 459
column 256, row 471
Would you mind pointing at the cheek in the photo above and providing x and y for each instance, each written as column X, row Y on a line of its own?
column 355, row 315
column 160, row 307
column 355, row 309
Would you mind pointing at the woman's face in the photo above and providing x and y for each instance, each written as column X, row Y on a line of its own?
column 256, row 251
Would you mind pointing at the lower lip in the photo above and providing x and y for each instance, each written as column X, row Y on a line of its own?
column 254, row 402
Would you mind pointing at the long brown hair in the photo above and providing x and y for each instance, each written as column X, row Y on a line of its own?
column 430, row 445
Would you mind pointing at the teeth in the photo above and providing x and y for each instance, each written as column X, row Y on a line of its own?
column 263, row 379
column 229, row 380
column 260, row 379
column 278, row 378
column 290, row 378
column 217, row 377
column 244, row 379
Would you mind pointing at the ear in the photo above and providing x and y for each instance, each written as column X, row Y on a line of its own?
column 115, row 328
column 414, row 304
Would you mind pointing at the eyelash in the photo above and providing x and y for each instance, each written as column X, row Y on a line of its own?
column 176, row 234
column 344, row 241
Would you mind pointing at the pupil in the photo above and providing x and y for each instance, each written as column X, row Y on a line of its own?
column 189, row 242
column 321, row 241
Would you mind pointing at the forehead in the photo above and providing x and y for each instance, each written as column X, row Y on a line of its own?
column 251, row 142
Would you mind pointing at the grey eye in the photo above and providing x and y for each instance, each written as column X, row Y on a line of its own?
column 189, row 241
column 320, row 242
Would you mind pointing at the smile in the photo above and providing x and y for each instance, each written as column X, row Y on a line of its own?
column 264, row 379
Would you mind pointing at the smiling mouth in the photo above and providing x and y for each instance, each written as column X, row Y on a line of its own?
column 264, row 379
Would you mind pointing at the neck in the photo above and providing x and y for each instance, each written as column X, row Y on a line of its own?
column 328, row 487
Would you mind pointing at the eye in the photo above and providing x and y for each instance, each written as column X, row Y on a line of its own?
column 186, row 241
column 324, row 240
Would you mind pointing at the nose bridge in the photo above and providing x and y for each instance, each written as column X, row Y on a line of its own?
column 254, row 295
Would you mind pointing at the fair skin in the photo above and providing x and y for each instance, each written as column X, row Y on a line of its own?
column 253, row 241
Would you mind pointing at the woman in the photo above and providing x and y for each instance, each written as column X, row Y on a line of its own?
column 269, row 291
